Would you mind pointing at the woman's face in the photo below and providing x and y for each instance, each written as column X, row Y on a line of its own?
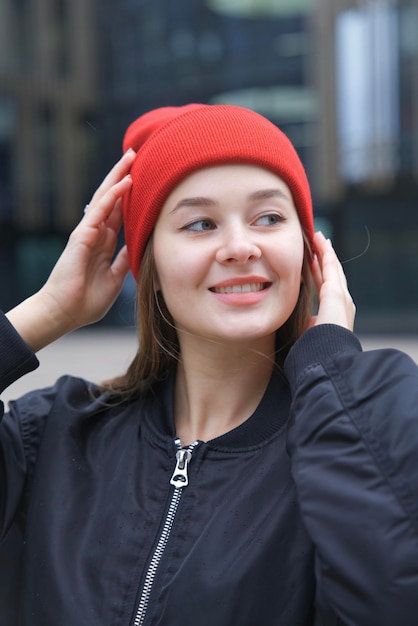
column 228, row 250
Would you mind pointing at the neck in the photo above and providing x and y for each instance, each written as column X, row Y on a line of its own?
column 218, row 387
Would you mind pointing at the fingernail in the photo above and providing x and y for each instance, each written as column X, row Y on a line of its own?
column 130, row 151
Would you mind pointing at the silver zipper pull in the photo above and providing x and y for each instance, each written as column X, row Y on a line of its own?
column 180, row 477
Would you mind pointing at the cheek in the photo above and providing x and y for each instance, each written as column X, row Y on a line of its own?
column 176, row 269
column 288, row 259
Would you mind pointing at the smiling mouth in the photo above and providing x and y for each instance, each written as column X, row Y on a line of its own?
column 246, row 288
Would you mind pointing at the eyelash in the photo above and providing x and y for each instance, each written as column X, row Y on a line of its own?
column 199, row 230
column 278, row 219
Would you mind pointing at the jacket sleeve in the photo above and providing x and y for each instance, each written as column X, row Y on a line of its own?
column 353, row 440
column 16, row 358
column 17, row 438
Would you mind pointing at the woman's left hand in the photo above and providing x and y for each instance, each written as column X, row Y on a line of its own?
column 335, row 304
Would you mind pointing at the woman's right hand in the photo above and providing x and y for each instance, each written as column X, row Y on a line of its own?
column 87, row 277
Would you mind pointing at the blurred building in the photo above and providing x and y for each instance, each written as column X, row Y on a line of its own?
column 366, row 72
column 338, row 76
column 48, row 104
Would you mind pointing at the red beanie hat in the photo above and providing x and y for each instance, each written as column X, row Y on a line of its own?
column 173, row 142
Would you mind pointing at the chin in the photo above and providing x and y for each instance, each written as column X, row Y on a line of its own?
column 245, row 335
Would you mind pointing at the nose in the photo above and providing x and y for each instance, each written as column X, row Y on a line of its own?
column 238, row 247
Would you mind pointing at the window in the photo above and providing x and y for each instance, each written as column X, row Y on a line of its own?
column 254, row 8
column 8, row 121
column 367, row 92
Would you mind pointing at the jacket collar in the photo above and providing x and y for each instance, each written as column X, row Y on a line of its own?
column 270, row 416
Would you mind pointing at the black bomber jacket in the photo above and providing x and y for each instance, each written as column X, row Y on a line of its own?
column 305, row 514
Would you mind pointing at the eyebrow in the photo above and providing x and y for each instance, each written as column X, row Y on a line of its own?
column 196, row 201
column 266, row 194
column 203, row 201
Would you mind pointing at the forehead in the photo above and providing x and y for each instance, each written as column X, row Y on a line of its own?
column 217, row 180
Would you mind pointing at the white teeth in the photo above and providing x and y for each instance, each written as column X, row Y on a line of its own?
column 247, row 288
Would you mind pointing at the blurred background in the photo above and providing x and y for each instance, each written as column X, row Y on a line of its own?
column 340, row 77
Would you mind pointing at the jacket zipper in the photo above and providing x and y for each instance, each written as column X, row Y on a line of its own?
column 179, row 480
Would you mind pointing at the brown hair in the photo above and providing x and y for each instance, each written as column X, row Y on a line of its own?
column 158, row 346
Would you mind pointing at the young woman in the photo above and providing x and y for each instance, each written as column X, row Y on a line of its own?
column 253, row 467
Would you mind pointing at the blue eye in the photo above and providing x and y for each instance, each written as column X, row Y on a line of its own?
column 200, row 225
column 270, row 219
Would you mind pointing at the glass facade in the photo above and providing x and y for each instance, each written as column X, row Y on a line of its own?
column 47, row 93
column 367, row 80
column 8, row 123
column 252, row 8
column 377, row 129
